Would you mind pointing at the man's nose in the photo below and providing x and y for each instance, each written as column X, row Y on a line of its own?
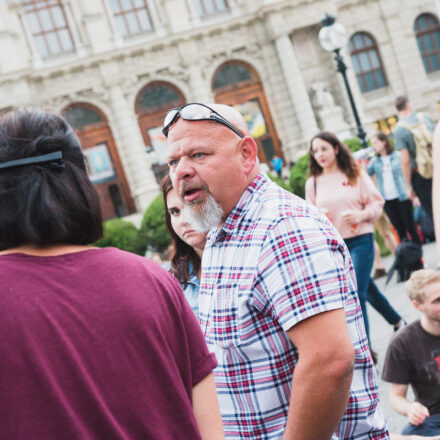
column 184, row 169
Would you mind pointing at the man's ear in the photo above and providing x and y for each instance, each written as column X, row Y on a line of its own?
column 249, row 153
column 417, row 305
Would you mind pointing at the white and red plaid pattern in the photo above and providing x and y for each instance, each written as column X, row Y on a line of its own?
column 275, row 262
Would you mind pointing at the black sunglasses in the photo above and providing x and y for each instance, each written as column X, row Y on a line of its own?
column 195, row 112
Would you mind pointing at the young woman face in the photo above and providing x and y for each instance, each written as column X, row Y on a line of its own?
column 324, row 153
column 378, row 145
column 181, row 227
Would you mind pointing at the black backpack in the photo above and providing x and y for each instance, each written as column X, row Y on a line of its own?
column 408, row 259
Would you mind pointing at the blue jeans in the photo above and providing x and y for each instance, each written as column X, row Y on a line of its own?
column 431, row 426
column 362, row 253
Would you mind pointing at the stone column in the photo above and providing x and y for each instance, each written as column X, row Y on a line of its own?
column 131, row 149
column 296, row 87
column 199, row 85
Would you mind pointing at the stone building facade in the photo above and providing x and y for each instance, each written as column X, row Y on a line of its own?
column 114, row 67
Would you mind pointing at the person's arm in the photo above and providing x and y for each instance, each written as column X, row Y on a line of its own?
column 415, row 411
column 322, row 377
column 405, row 161
column 207, row 410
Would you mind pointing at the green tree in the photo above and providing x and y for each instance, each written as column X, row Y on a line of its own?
column 153, row 226
column 298, row 176
column 122, row 235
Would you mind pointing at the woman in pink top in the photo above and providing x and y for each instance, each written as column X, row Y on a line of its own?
column 345, row 193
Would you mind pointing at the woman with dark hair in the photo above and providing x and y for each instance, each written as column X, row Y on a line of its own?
column 94, row 343
column 187, row 246
column 387, row 169
column 345, row 193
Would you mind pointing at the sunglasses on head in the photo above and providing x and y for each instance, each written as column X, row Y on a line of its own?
column 195, row 112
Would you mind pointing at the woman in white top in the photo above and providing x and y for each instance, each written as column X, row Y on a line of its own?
column 386, row 167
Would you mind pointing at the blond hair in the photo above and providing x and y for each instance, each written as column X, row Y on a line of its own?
column 417, row 281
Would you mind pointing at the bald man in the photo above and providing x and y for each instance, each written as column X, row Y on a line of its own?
column 278, row 302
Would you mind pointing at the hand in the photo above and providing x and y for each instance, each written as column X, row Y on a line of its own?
column 416, row 201
column 410, row 193
column 417, row 413
column 352, row 216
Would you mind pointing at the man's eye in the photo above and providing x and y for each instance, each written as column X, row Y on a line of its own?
column 173, row 163
column 198, row 155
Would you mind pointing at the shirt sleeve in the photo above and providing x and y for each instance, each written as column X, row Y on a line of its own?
column 371, row 167
column 303, row 270
column 397, row 368
column 371, row 199
column 400, row 136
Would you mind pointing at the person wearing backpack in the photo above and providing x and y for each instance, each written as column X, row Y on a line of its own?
column 413, row 137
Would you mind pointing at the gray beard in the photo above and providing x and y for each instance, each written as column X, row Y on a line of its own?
column 205, row 217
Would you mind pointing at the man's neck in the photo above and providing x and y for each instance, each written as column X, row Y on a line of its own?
column 430, row 326
column 49, row 251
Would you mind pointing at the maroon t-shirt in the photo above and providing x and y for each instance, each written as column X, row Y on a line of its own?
column 99, row 344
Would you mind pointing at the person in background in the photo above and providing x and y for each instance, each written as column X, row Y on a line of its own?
column 187, row 245
column 342, row 190
column 277, row 164
column 386, row 168
column 383, row 228
column 413, row 358
column 416, row 184
column 94, row 343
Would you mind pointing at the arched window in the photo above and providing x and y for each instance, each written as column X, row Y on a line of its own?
column 427, row 31
column 156, row 97
column 366, row 62
column 132, row 17
column 49, row 27
column 80, row 117
column 230, row 75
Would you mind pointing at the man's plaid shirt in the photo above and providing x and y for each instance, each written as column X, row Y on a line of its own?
column 275, row 262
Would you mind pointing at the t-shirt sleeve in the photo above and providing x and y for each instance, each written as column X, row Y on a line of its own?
column 400, row 136
column 397, row 367
column 302, row 270
column 371, row 167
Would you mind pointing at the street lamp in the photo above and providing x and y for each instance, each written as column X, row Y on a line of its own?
column 333, row 37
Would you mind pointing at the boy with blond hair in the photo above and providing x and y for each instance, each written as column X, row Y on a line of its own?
column 413, row 358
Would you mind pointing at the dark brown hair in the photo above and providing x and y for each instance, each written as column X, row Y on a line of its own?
column 401, row 102
column 344, row 159
column 384, row 138
column 183, row 259
column 40, row 204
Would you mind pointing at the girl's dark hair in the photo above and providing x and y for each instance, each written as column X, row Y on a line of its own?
column 40, row 204
column 384, row 138
column 183, row 256
column 344, row 159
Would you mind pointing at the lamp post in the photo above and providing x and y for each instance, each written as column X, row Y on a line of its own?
column 333, row 37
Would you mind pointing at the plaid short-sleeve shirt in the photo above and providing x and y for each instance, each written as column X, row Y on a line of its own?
column 275, row 262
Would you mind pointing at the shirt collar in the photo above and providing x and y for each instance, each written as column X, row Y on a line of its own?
column 255, row 188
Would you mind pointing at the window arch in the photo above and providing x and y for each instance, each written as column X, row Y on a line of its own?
column 232, row 75
column 427, row 30
column 80, row 116
column 48, row 25
column 366, row 62
column 158, row 96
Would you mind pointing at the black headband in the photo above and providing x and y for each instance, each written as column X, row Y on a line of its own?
column 54, row 159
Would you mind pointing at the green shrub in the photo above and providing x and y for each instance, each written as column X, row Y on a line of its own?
column 122, row 235
column 354, row 144
column 153, row 226
column 279, row 181
column 298, row 176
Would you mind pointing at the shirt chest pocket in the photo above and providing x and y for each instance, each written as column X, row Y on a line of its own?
column 224, row 322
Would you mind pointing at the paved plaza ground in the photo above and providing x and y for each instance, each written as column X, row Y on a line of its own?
column 381, row 331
